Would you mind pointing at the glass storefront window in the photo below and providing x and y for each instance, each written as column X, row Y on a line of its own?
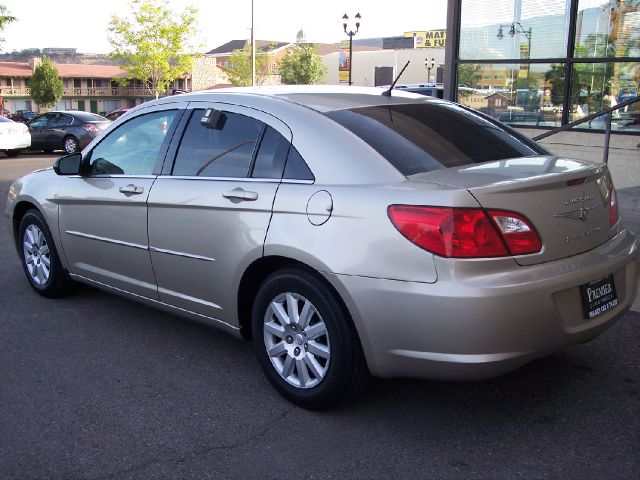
column 513, row 29
column 608, row 28
column 597, row 86
column 516, row 94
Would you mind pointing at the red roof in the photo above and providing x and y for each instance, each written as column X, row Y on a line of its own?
column 15, row 69
column 65, row 70
column 80, row 70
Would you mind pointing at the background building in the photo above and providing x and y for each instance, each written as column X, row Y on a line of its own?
column 91, row 82
column 377, row 61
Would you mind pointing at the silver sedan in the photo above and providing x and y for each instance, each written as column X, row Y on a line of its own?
column 345, row 231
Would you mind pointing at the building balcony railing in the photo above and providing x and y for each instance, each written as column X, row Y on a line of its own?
column 107, row 92
column 15, row 91
column 8, row 91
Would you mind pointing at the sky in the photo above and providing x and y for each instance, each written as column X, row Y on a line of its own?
column 83, row 25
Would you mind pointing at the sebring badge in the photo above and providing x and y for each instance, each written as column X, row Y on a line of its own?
column 580, row 214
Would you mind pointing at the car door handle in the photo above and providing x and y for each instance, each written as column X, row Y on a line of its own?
column 241, row 194
column 131, row 189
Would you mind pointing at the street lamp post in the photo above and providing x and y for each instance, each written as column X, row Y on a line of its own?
column 429, row 64
column 350, row 33
column 516, row 27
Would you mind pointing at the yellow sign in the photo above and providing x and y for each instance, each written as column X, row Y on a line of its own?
column 428, row 39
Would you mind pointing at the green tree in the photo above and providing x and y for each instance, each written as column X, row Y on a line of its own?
column 555, row 78
column 239, row 69
column 468, row 76
column 5, row 19
column 46, row 85
column 151, row 45
column 302, row 66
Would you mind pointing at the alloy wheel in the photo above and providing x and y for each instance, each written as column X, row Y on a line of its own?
column 70, row 145
column 296, row 340
column 37, row 258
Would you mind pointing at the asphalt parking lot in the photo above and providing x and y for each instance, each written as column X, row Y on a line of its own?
column 93, row 386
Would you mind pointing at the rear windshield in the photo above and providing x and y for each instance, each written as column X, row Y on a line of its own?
column 421, row 137
column 89, row 117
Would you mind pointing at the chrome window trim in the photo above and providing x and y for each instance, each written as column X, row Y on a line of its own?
column 238, row 179
column 182, row 254
column 116, row 176
column 106, row 240
column 302, row 182
column 224, row 179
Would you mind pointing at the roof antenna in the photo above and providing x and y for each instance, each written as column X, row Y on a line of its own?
column 387, row 93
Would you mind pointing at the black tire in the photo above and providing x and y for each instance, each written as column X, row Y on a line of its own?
column 70, row 144
column 13, row 153
column 57, row 283
column 345, row 370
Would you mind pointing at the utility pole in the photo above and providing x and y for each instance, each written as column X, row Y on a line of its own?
column 253, row 51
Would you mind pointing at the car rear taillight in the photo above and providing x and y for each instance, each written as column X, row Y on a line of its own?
column 465, row 232
column 517, row 232
column 614, row 211
column 25, row 129
column 91, row 127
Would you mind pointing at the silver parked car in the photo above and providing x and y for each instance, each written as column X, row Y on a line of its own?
column 345, row 231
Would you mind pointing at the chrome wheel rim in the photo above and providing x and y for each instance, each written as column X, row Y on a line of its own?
column 296, row 340
column 70, row 145
column 37, row 258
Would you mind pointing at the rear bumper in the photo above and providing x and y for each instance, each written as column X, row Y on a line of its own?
column 484, row 318
column 14, row 142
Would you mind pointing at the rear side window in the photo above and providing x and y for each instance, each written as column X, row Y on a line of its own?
column 225, row 151
column 275, row 151
column 271, row 156
column 297, row 168
column 422, row 137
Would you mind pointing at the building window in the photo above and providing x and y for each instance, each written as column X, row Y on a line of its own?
column 64, row 105
column 549, row 62
column 529, row 29
column 111, row 105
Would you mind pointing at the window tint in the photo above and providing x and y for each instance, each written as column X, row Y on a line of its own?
column 297, row 168
column 40, row 121
column 89, row 117
column 226, row 151
column 271, row 155
column 134, row 147
column 422, row 137
column 59, row 120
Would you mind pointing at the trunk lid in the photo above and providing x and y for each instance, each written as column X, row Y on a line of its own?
column 101, row 125
column 566, row 200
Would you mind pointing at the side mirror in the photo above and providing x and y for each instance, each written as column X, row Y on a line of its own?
column 68, row 165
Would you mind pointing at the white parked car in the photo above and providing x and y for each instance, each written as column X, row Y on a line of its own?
column 14, row 136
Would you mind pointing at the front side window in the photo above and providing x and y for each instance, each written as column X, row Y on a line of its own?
column 223, row 151
column 134, row 147
column 40, row 121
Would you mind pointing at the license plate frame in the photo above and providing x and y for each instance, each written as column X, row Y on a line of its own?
column 598, row 297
